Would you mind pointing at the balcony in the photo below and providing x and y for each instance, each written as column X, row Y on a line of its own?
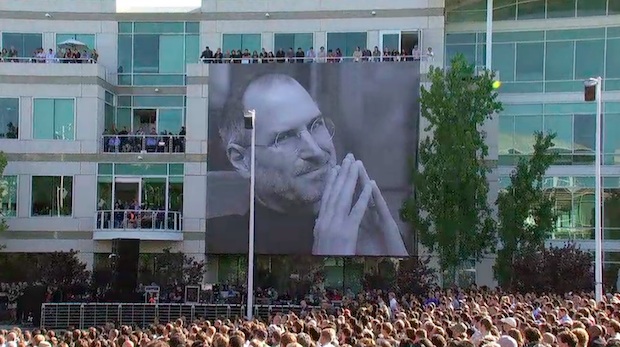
column 20, row 68
column 143, row 143
column 147, row 225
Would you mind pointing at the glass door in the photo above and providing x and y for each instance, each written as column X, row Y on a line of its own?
column 389, row 40
column 410, row 40
column 127, row 193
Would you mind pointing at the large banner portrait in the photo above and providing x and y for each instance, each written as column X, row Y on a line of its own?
column 334, row 148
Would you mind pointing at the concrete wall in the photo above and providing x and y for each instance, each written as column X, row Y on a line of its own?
column 51, row 6
column 313, row 5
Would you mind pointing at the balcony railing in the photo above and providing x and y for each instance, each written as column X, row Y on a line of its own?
column 258, row 60
column 139, row 220
column 86, row 315
column 47, row 60
column 143, row 143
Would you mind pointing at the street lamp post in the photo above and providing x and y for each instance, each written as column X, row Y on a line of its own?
column 489, row 32
column 594, row 91
column 249, row 118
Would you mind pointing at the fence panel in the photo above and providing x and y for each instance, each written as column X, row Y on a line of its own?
column 85, row 315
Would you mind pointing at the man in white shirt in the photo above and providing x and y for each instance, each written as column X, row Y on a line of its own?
column 328, row 336
column 393, row 303
column 310, row 55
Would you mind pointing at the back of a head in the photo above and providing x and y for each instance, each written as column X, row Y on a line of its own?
column 235, row 341
column 507, row 341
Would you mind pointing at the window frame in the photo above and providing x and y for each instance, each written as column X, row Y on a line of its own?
column 346, row 32
column 17, row 181
column 19, row 110
column 55, row 98
column 31, row 205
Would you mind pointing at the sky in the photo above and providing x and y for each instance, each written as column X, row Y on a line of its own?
column 154, row 5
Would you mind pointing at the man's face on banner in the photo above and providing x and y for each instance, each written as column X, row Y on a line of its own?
column 294, row 144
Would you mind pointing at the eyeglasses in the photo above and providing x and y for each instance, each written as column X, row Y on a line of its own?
column 321, row 128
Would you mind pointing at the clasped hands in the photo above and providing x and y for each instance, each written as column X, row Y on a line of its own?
column 338, row 227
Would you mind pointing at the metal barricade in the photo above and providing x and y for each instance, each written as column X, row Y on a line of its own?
column 85, row 315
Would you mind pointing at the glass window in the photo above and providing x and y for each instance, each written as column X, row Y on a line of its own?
column 159, row 27
column 584, row 133
column 562, row 126
column 9, row 118
column 123, row 119
column 170, row 120
column 125, row 49
column 506, row 134
column 146, row 53
column 110, row 119
column 175, row 194
column 530, row 61
column 53, row 119
column 591, row 8
column 88, row 39
column 104, row 169
column 613, row 52
column 171, row 63
column 109, row 98
column 613, row 7
column 611, row 207
column 158, row 101
column 52, row 196
column 390, row 42
column 525, row 127
column 286, row 41
column 611, row 140
column 518, row 36
column 347, row 42
column 192, row 27
column 575, row 34
column 104, row 192
column 8, row 197
column 25, row 44
column 251, row 42
column 504, row 60
column 192, row 49
column 141, row 169
column 589, row 58
column 528, row 9
column 560, row 9
column 125, row 27
column 504, row 10
column 559, row 61
column 452, row 39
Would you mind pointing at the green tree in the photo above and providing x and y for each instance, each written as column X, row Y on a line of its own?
column 525, row 212
column 449, row 207
column 176, row 267
column 3, row 192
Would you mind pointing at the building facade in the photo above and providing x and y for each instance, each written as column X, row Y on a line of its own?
column 68, row 177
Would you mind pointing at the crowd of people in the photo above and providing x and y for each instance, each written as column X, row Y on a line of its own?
column 40, row 55
column 311, row 55
column 478, row 318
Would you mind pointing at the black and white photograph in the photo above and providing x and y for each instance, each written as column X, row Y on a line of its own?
column 331, row 142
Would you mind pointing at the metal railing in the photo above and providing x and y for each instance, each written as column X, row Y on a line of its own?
column 326, row 59
column 50, row 60
column 86, row 315
column 143, row 143
column 142, row 220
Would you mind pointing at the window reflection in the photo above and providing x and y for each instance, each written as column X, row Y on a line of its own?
column 9, row 118
column 575, row 204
